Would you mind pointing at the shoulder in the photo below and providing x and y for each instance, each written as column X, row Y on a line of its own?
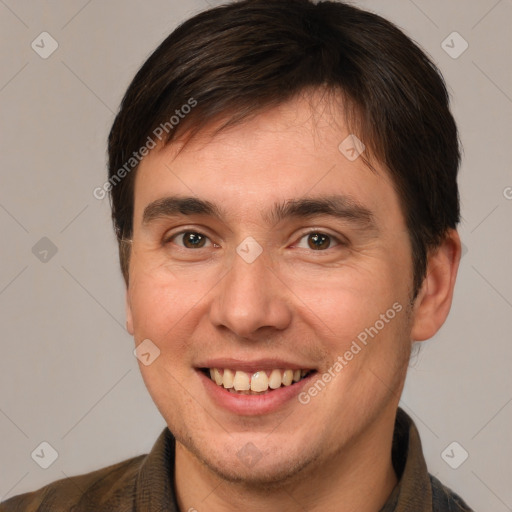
column 111, row 488
column 445, row 500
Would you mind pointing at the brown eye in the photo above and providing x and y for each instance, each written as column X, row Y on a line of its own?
column 318, row 241
column 190, row 239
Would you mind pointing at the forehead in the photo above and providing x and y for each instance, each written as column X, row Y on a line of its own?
column 295, row 150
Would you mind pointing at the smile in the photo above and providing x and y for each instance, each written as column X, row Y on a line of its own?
column 254, row 383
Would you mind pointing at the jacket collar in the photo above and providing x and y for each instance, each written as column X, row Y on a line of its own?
column 155, row 481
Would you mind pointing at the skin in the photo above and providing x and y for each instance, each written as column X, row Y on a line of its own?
column 194, row 303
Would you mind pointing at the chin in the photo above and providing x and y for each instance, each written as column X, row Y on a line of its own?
column 269, row 468
column 269, row 475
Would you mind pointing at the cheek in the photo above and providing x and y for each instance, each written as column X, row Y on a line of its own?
column 160, row 300
column 162, row 309
column 341, row 303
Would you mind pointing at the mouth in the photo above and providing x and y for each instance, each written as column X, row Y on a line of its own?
column 260, row 382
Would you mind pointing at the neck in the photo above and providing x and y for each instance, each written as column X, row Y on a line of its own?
column 357, row 478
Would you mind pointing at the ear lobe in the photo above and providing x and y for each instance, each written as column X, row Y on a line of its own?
column 434, row 300
column 129, row 317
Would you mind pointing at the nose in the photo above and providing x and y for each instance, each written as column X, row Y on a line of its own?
column 251, row 299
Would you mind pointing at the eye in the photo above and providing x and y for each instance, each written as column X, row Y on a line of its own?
column 189, row 239
column 318, row 241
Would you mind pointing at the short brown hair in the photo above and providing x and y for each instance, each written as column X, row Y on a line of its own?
column 236, row 60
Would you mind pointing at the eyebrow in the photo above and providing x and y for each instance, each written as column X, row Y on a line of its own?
column 338, row 206
column 176, row 205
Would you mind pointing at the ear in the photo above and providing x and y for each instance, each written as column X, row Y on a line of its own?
column 434, row 300
column 129, row 317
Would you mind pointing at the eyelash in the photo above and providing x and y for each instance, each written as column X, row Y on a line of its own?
column 338, row 241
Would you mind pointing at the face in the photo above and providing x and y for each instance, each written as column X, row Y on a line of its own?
column 288, row 266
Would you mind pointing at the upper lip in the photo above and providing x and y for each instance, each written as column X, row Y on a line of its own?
column 252, row 365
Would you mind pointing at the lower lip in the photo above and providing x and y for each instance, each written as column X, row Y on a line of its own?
column 253, row 405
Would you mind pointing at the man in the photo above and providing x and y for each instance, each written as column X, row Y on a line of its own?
column 283, row 185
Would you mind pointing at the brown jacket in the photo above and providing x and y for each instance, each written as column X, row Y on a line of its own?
column 145, row 483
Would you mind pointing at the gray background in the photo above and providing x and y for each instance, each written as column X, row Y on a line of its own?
column 67, row 372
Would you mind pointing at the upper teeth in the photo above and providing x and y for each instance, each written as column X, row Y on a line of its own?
column 258, row 381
